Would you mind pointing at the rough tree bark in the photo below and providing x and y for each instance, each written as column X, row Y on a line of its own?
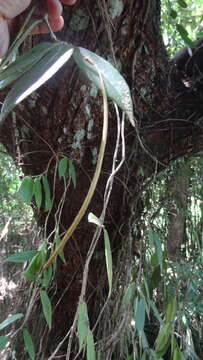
column 65, row 117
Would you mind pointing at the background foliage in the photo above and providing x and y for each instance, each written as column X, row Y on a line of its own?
column 164, row 295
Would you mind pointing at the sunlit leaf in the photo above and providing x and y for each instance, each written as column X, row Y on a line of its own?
column 23, row 63
column 171, row 309
column 25, row 191
column 91, row 355
column 184, row 35
column 45, row 68
column 3, row 342
column 46, row 187
column 22, row 256
column 46, row 306
column 115, row 85
column 94, row 219
column 177, row 354
column 108, row 256
column 163, row 340
column 38, row 192
column 29, row 344
column 10, row 320
column 34, row 267
column 182, row 3
column 83, row 323
column 63, row 166
column 72, row 173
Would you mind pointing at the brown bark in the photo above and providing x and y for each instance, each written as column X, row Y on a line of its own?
column 178, row 210
column 56, row 120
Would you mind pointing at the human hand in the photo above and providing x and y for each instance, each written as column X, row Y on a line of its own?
column 10, row 9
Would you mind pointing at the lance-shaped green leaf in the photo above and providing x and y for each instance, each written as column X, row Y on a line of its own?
column 163, row 340
column 140, row 315
column 25, row 30
column 184, row 35
column 72, row 173
column 34, row 267
column 108, row 256
column 25, row 191
column 37, row 190
column 182, row 3
column 22, row 256
column 48, row 202
column 91, row 355
column 3, row 342
column 42, row 71
column 24, row 63
column 10, row 320
column 29, row 344
column 46, row 306
column 83, row 323
column 171, row 310
column 115, row 85
column 62, row 166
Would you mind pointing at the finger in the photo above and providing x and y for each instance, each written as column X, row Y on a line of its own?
column 69, row 2
column 54, row 9
column 11, row 8
column 4, row 36
column 56, row 25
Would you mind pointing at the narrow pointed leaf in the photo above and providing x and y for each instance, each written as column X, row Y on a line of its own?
column 10, row 320
column 25, row 30
column 182, row 3
column 47, row 276
column 63, row 166
column 108, row 256
column 91, row 355
column 115, row 85
column 163, row 340
column 21, row 256
column 38, row 192
column 171, row 310
column 3, row 342
column 25, row 191
column 24, row 63
column 42, row 71
column 46, row 187
column 57, row 241
column 129, row 294
column 83, row 323
column 184, row 35
column 46, row 306
column 94, row 219
column 140, row 315
column 29, row 344
column 72, row 173
column 34, row 267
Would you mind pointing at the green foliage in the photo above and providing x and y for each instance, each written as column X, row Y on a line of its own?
column 29, row 344
column 83, row 323
column 108, row 256
column 10, row 320
column 46, row 306
column 181, row 23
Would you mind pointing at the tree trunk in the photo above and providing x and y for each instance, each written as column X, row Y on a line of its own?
column 179, row 189
column 65, row 117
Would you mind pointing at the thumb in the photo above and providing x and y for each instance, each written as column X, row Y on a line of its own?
column 4, row 36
